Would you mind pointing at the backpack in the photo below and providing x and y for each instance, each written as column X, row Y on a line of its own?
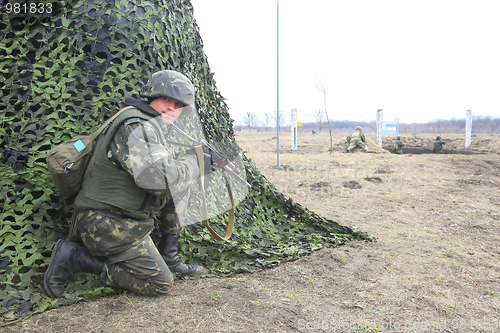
column 67, row 161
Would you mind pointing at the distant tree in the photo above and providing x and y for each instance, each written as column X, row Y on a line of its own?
column 282, row 120
column 250, row 120
column 485, row 125
column 322, row 86
column 319, row 120
column 268, row 120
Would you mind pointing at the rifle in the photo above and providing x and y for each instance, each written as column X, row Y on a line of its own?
column 219, row 158
column 223, row 162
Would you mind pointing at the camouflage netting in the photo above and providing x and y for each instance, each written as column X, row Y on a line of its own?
column 61, row 74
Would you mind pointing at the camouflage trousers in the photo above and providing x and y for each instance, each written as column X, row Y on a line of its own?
column 133, row 261
column 140, row 269
column 438, row 151
column 356, row 142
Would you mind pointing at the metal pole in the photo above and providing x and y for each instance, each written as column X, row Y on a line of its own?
column 278, row 81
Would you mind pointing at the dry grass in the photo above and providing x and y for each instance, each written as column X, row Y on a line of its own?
column 434, row 266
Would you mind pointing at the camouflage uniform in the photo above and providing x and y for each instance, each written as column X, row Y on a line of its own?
column 133, row 261
column 398, row 146
column 438, row 145
column 357, row 139
column 132, row 173
column 133, row 264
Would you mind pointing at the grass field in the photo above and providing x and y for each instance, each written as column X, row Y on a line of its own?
column 433, row 268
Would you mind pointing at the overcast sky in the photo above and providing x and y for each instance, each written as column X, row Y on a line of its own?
column 416, row 60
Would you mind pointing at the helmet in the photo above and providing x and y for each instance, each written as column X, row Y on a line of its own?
column 398, row 137
column 438, row 137
column 358, row 128
column 171, row 84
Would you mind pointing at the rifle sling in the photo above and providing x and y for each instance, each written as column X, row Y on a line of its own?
column 230, row 224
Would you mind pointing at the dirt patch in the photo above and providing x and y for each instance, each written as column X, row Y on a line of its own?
column 434, row 267
column 352, row 184
column 485, row 182
column 319, row 185
column 374, row 179
column 383, row 169
column 282, row 167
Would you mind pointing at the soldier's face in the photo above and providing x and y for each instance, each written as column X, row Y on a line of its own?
column 169, row 108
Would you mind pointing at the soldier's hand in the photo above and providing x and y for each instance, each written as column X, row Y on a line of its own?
column 209, row 166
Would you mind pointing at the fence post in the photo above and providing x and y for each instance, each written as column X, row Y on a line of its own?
column 468, row 128
column 379, row 126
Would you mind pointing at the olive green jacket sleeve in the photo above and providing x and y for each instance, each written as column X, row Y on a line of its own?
column 139, row 148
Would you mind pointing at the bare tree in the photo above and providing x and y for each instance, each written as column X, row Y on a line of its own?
column 322, row 85
column 268, row 120
column 282, row 120
column 250, row 120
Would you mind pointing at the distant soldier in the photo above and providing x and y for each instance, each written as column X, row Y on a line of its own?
column 398, row 145
column 357, row 139
column 438, row 145
column 314, row 132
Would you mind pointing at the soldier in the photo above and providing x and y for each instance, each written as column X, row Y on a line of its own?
column 398, row 145
column 357, row 139
column 133, row 173
column 438, row 145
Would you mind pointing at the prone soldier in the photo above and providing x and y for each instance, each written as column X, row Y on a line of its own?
column 357, row 139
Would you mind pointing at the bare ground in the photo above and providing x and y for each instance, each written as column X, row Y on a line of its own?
column 434, row 267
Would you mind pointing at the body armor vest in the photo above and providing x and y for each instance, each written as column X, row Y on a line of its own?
column 108, row 187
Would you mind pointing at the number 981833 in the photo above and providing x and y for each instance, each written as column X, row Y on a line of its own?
column 28, row 8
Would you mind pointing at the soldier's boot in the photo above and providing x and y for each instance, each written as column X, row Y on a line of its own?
column 367, row 150
column 169, row 250
column 67, row 259
column 349, row 150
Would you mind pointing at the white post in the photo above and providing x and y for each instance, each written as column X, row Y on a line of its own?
column 468, row 128
column 380, row 117
column 293, row 129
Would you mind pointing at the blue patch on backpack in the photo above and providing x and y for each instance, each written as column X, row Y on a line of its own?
column 79, row 146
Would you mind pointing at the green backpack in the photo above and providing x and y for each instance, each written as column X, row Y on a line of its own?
column 67, row 162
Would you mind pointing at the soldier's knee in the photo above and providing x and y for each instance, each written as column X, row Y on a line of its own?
column 159, row 289
column 156, row 286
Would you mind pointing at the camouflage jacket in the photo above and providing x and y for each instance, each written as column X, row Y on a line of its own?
column 132, row 172
column 398, row 145
column 356, row 135
column 133, row 164
column 139, row 148
column 438, row 145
